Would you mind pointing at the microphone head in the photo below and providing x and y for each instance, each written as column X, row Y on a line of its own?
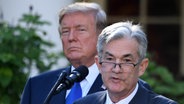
column 81, row 72
column 76, row 75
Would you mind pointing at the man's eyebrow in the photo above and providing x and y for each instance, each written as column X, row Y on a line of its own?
column 80, row 25
column 128, row 55
column 108, row 53
column 63, row 27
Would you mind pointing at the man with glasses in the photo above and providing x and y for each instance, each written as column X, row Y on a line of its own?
column 121, row 61
column 80, row 24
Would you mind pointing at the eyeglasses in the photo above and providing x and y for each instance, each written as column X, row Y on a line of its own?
column 124, row 66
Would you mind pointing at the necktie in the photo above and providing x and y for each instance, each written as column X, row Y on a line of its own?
column 75, row 93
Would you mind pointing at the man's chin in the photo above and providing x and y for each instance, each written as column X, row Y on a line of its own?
column 74, row 58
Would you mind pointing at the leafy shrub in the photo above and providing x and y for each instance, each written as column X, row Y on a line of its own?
column 22, row 47
column 163, row 82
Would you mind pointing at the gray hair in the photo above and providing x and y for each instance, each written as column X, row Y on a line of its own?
column 123, row 30
column 86, row 7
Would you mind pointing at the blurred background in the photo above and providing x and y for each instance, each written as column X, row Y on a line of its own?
column 163, row 22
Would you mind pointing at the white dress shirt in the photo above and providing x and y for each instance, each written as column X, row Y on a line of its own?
column 88, row 81
column 125, row 100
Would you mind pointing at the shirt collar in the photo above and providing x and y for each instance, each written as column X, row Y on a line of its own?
column 125, row 100
column 92, row 75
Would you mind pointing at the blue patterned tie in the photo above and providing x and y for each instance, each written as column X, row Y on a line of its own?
column 75, row 93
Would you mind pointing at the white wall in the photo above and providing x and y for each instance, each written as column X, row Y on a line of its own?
column 48, row 9
column 12, row 10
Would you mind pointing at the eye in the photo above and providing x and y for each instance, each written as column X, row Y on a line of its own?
column 109, row 58
column 81, row 29
column 127, row 60
column 65, row 31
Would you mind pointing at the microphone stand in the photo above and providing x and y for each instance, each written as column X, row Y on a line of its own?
column 52, row 91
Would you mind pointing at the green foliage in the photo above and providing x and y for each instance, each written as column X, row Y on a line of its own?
column 21, row 48
column 163, row 82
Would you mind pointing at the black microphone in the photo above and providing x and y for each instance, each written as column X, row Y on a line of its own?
column 52, row 91
column 76, row 75
column 66, row 82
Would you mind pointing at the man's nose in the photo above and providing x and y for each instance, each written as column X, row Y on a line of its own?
column 72, row 35
column 117, row 68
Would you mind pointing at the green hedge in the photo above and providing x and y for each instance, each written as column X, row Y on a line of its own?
column 21, row 48
column 163, row 82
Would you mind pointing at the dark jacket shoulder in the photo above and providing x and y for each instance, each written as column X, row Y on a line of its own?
column 95, row 98
column 142, row 96
column 146, row 96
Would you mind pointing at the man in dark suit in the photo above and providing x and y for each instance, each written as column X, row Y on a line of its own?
column 80, row 25
column 121, row 61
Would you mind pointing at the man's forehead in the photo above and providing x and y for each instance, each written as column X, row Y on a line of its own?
column 77, row 20
column 123, row 55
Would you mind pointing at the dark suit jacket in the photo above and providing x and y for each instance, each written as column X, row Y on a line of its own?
column 37, row 88
column 143, row 96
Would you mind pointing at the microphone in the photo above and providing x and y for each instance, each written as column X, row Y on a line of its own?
column 52, row 91
column 76, row 75
column 66, row 82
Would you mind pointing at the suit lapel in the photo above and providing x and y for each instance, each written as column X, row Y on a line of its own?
column 97, row 85
column 141, row 97
column 62, row 94
column 67, row 69
column 103, row 98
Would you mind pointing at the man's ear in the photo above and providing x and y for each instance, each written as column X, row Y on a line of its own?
column 97, row 61
column 143, row 66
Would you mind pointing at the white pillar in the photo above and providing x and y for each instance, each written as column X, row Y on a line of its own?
column 12, row 10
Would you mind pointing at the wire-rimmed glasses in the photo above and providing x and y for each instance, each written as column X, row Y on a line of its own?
column 124, row 66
